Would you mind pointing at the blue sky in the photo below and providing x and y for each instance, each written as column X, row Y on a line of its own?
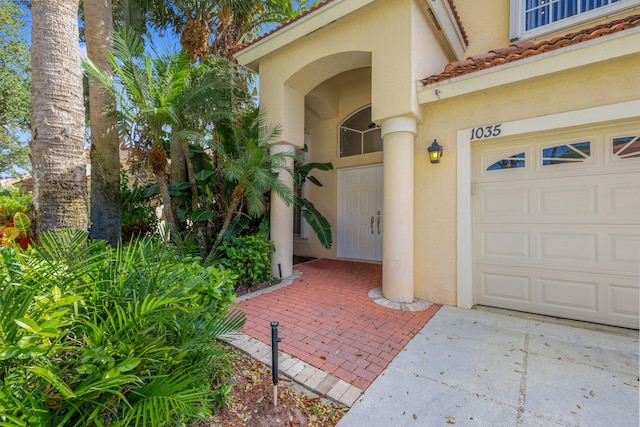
column 163, row 42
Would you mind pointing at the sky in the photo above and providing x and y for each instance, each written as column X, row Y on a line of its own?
column 163, row 42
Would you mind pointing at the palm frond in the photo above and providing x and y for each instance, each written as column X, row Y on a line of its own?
column 182, row 394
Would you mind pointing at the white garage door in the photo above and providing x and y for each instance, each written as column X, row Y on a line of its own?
column 557, row 225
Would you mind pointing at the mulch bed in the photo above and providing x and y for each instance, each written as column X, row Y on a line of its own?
column 252, row 401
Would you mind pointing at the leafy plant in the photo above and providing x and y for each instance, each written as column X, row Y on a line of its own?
column 248, row 257
column 309, row 212
column 16, row 231
column 12, row 200
column 138, row 210
column 91, row 335
column 249, row 169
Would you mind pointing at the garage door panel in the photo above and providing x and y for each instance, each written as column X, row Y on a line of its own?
column 573, row 247
column 514, row 244
column 625, row 250
column 567, row 200
column 624, row 300
column 504, row 286
column 625, row 199
column 503, row 202
column 558, row 239
column 576, row 247
column 573, row 293
column 596, row 298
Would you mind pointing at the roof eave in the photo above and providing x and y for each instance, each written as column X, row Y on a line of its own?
column 251, row 55
column 446, row 19
column 614, row 46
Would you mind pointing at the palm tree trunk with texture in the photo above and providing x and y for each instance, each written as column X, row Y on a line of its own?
column 57, row 118
column 105, row 159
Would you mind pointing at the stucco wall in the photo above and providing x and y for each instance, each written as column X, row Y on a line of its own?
column 435, row 185
column 486, row 23
column 384, row 35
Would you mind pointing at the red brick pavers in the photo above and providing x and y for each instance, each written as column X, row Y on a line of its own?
column 327, row 320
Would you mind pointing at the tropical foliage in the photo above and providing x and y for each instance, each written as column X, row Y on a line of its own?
column 137, row 210
column 13, row 200
column 223, row 138
column 211, row 28
column 91, row 335
column 15, row 224
column 15, row 88
column 16, row 231
column 248, row 257
column 309, row 212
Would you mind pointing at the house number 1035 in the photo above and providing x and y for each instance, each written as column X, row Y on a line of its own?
column 486, row 131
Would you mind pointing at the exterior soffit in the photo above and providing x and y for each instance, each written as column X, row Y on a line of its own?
column 446, row 20
column 321, row 70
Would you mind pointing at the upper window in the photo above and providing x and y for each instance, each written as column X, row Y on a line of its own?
column 530, row 18
column 359, row 135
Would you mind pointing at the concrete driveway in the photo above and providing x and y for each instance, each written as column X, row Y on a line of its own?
column 480, row 368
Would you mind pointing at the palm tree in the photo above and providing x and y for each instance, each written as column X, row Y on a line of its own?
column 145, row 93
column 248, row 168
column 57, row 118
column 212, row 28
column 105, row 159
column 162, row 100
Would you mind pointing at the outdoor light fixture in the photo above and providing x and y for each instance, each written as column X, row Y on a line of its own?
column 435, row 152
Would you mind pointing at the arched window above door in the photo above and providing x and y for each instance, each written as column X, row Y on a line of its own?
column 359, row 135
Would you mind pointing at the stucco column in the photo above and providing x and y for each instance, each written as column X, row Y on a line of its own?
column 282, row 220
column 397, row 263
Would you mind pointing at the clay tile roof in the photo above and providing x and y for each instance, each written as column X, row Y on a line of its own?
column 320, row 5
column 459, row 22
column 522, row 50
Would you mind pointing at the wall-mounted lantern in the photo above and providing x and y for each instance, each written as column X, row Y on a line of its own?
column 435, row 152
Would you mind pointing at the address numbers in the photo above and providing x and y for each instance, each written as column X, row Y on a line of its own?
column 486, row 131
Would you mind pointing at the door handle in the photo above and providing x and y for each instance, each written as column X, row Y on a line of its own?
column 371, row 224
column 378, row 222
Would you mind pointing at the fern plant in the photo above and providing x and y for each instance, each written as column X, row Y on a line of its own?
column 91, row 335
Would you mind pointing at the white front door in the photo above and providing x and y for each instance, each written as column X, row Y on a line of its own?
column 360, row 213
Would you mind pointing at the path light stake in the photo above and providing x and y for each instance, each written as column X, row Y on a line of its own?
column 274, row 360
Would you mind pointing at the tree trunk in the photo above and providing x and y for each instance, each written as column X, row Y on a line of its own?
column 57, row 118
column 105, row 159
column 177, row 171
column 158, row 162
column 236, row 198
column 199, row 225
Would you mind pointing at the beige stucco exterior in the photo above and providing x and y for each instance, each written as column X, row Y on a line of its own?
column 354, row 53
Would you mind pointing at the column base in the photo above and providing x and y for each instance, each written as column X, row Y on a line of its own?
column 416, row 305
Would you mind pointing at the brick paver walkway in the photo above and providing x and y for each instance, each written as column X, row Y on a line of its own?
column 327, row 320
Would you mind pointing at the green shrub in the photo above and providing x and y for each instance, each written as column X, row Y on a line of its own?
column 249, row 257
column 91, row 335
column 12, row 201
column 137, row 210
